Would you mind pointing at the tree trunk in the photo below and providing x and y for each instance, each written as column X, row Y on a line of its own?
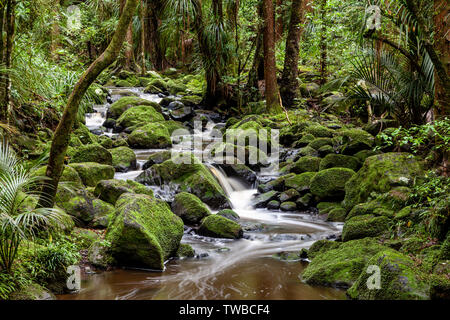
column 63, row 131
column 323, row 43
column 10, row 31
column 270, row 71
column 153, row 46
column 289, row 82
column 128, row 62
column 143, row 15
column 55, row 32
column 256, row 72
column 279, row 21
column 3, row 105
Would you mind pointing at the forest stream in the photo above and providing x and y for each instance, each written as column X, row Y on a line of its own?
column 247, row 268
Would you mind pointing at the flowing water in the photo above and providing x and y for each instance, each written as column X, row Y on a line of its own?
column 223, row 269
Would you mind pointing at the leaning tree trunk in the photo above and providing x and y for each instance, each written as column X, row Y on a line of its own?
column 10, row 31
column 142, row 16
column 3, row 105
column 62, row 134
column 270, row 71
column 289, row 82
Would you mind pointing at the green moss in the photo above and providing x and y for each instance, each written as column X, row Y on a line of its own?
column 85, row 136
column 330, row 183
column 288, row 206
column 339, row 160
column 32, row 291
column 340, row 266
column 306, row 164
column 300, row 182
column 123, row 158
column 139, row 115
column 91, row 153
column 189, row 208
column 320, row 142
column 319, row 131
column 229, row 214
column 322, row 246
column 400, row 279
column 69, row 175
column 355, row 140
column 185, row 251
column 88, row 211
column 219, row 227
column 125, row 103
column 364, row 226
column 305, row 140
column 111, row 190
column 381, row 173
column 150, row 136
column 91, row 172
column 337, row 215
column 144, row 232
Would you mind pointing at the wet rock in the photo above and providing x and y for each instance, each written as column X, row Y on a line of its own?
column 306, row 164
column 229, row 214
column 305, row 201
column 288, row 206
column 185, row 251
column 86, row 210
column 123, row 159
column 32, row 291
column 355, row 140
column 300, row 182
column 140, row 115
column 339, row 161
column 111, row 190
column 287, row 256
column 109, row 123
column 99, row 255
column 219, row 227
column 273, row 205
column 289, row 195
column 189, row 208
column 262, row 200
column 180, row 112
column 241, row 170
column 150, row 136
column 144, row 232
column 123, row 104
column 157, row 158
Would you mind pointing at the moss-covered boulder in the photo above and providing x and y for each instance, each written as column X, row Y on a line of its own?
column 91, row 153
column 189, row 208
column 337, row 214
column 186, row 171
column 32, row 291
column 91, row 172
column 150, row 136
column 319, row 131
column 111, row 190
column 219, row 227
column 341, row 266
column 263, row 199
column 99, row 255
column 364, row 226
column 330, row 183
column 381, row 173
column 355, row 140
column 339, row 161
column 300, row 182
column 69, row 175
column 125, row 103
column 229, row 214
column 139, row 115
column 320, row 142
column 84, row 135
column 321, row 246
column 157, row 158
column 288, row 206
column 185, row 251
column 306, row 164
column 144, row 232
column 400, row 279
column 123, row 159
column 85, row 210
column 289, row 195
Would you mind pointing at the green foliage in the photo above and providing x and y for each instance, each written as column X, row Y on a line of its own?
column 11, row 282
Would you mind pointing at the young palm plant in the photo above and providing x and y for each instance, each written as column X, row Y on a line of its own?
column 19, row 220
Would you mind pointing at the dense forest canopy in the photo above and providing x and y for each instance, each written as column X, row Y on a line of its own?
column 359, row 91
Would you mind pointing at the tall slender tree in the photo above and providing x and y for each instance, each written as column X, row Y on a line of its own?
column 270, row 72
column 62, row 134
column 289, row 82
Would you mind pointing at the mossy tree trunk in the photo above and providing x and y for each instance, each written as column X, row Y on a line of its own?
column 256, row 72
column 142, row 17
column 128, row 62
column 289, row 83
column 153, row 45
column 63, row 131
column 270, row 72
column 10, row 32
column 323, row 43
column 3, row 106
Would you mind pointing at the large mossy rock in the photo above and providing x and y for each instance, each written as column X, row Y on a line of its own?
column 400, row 279
column 330, row 183
column 84, row 135
column 355, row 140
column 86, row 210
column 150, row 136
column 191, row 176
column 364, row 226
column 91, row 153
column 91, row 172
column 123, row 159
column 157, row 158
column 381, row 173
column 219, row 227
column 306, row 164
column 144, row 232
column 69, row 175
column 125, row 103
column 339, row 161
column 300, row 182
column 341, row 266
column 189, row 208
column 139, row 115
column 32, row 291
column 111, row 190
